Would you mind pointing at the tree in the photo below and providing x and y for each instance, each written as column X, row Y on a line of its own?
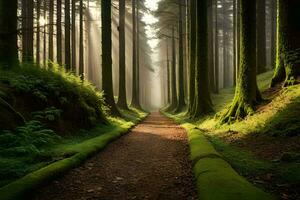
column 59, row 32
column 247, row 93
column 51, row 21
column 67, row 35
column 81, row 47
column 181, row 101
column 135, row 93
column 27, row 30
column 122, row 100
column 216, row 48
column 107, row 82
column 288, row 44
column 174, row 100
column 203, row 104
column 38, row 31
column 73, row 36
column 261, row 36
column 8, row 33
column 193, row 48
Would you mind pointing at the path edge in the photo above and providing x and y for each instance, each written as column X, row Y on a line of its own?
column 215, row 178
column 22, row 187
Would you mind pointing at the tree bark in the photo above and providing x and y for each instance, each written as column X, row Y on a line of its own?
column 67, row 35
column 51, row 23
column 81, row 47
column 107, row 82
column 203, row 104
column 288, row 44
column 122, row 99
column 216, row 48
column 59, row 33
column 181, row 100
column 8, row 33
column 261, row 36
column 73, row 36
column 193, row 49
column 27, row 30
column 247, row 93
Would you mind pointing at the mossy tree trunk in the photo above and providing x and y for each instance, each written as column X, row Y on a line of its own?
column 288, row 43
column 8, row 33
column 202, row 100
column 122, row 99
column 247, row 93
column 192, row 53
column 107, row 82
column 181, row 100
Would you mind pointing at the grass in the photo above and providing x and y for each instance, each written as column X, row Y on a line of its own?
column 213, row 173
column 257, row 146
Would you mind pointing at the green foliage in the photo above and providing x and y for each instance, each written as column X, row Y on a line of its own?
column 26, row 140
column 49, row 114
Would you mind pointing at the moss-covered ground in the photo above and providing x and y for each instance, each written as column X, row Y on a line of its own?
column 265, row 147
column 55, row 117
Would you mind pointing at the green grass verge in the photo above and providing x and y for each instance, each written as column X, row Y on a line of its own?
column 216, row 179
column 79, row 150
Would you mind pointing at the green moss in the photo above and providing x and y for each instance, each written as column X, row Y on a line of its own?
column 70, row 152
column 213, row 173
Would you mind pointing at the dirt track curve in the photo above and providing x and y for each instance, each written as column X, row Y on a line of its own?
column 151, row 162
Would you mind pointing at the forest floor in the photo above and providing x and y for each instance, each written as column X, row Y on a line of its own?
column 151, row 162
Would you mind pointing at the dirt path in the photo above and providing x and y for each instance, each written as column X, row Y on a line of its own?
column 149, row 163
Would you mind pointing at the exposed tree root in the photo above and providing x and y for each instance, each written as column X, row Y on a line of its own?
column 237, row 111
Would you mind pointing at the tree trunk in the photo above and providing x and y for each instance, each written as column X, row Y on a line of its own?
column 122, row 99
column 81, row 47
column 107, row 82
column 234, row 42
column 67, row 35
column 168, row 75
column 288, row 44
column 59, row 33
column 138, row 104
column 8, row 33
column 38, row 32
column 181, row 102
column 174, row 100
column 27, row 30
column 193, row 49
column 51, row 22
column 203, row 104
column 261, row 36
column 247, row 93
column 273, row 32
column 73, row 19
column 216, row 49
column 44, row 35
column 211, row 49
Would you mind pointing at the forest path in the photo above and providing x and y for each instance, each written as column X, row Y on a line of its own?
column 151, row 162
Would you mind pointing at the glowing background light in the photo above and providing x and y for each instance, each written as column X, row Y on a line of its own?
column 151, row 33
